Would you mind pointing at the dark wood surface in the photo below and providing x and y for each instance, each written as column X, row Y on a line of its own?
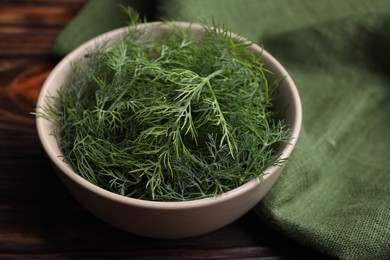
column 38, row 217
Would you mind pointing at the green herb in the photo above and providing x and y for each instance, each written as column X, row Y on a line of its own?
column 171, row 119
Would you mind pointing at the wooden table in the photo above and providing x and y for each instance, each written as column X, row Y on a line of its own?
column 38, row 217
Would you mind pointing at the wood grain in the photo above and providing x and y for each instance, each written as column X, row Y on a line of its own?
column 38, row 217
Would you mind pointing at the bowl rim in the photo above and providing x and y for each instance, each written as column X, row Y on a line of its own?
column 45, row 134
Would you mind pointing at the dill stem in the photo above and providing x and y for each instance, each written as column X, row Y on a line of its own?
column 222, row 121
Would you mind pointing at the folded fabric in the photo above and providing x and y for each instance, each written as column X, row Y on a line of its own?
column 97, row 16
column 334, row 194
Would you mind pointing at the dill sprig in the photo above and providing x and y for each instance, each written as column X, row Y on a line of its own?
column 169, row 119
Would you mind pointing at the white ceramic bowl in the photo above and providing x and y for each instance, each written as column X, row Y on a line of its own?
column 165, row 219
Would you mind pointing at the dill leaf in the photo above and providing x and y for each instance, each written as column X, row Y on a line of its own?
column 170, row 119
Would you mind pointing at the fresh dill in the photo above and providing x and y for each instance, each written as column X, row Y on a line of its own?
column 170, row 119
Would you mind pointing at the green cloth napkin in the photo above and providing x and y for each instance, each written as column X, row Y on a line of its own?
column 334, row 194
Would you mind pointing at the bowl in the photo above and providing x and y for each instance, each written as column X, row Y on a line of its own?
column 166, row 219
